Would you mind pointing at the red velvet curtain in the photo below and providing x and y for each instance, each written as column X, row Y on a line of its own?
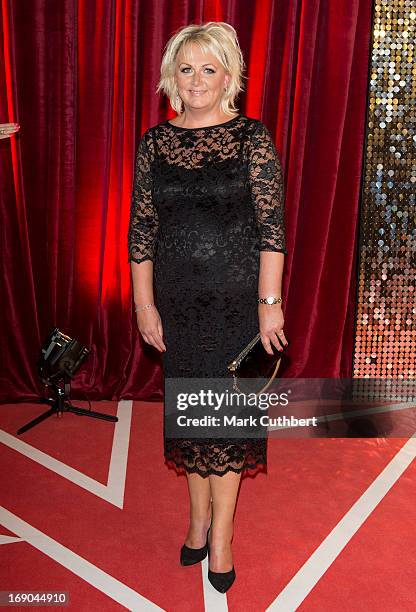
column 79, row 77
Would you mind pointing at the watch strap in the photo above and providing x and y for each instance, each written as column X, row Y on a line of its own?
column 270, row 299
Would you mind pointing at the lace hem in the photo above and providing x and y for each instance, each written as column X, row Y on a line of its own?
column 182, row 468
column 216, row 458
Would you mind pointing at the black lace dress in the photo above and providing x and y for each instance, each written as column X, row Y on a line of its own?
column 205, row 202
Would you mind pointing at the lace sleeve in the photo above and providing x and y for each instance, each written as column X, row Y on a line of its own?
column 267, row 189
column 144, row 222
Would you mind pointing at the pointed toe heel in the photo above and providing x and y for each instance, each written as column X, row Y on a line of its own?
column 190, row 556
column 221, row 581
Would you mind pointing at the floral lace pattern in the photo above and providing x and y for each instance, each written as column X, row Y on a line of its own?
column 216, row 457
column 205, row 202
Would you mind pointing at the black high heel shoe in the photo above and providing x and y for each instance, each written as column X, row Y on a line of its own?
column 221, row 581
column 190, row 556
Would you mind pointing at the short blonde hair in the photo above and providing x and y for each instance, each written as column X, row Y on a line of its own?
column 216, row 37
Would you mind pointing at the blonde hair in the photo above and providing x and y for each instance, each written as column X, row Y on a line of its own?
column 216, row 37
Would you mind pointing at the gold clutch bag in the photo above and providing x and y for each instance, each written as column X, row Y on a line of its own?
column 254, row 361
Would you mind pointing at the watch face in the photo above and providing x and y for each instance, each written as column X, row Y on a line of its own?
column 270, row 300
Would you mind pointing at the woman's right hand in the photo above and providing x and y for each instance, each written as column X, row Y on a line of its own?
column 150, row 327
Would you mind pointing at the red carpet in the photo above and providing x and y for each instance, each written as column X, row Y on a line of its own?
column 122, row 541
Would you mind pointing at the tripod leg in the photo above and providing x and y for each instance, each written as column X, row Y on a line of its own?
column 38, row 419
column 90, row 413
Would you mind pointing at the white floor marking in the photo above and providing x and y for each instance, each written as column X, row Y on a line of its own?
column 99, row 579
column 113, row 491
column 311, row 572
column 9, row 539
column 213, row 600
column 119, row 453
column 359, row 412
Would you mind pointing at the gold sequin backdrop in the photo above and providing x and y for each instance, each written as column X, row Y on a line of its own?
column 385, row 335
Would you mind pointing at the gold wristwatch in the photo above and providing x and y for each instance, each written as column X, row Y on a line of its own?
column 270, row 299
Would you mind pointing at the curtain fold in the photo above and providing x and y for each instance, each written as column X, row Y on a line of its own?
column 79, row 77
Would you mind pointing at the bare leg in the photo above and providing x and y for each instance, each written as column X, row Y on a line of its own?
column 224, row 496
column 200, row 510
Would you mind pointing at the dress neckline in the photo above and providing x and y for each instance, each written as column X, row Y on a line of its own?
column 207, row 127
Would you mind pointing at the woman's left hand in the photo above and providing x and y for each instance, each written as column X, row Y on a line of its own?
column 271, row 323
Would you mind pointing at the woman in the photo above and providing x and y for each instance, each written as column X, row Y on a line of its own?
column 206, row 241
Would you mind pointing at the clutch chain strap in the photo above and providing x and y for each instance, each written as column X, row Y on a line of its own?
column 236, row 387
column 234, row 365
